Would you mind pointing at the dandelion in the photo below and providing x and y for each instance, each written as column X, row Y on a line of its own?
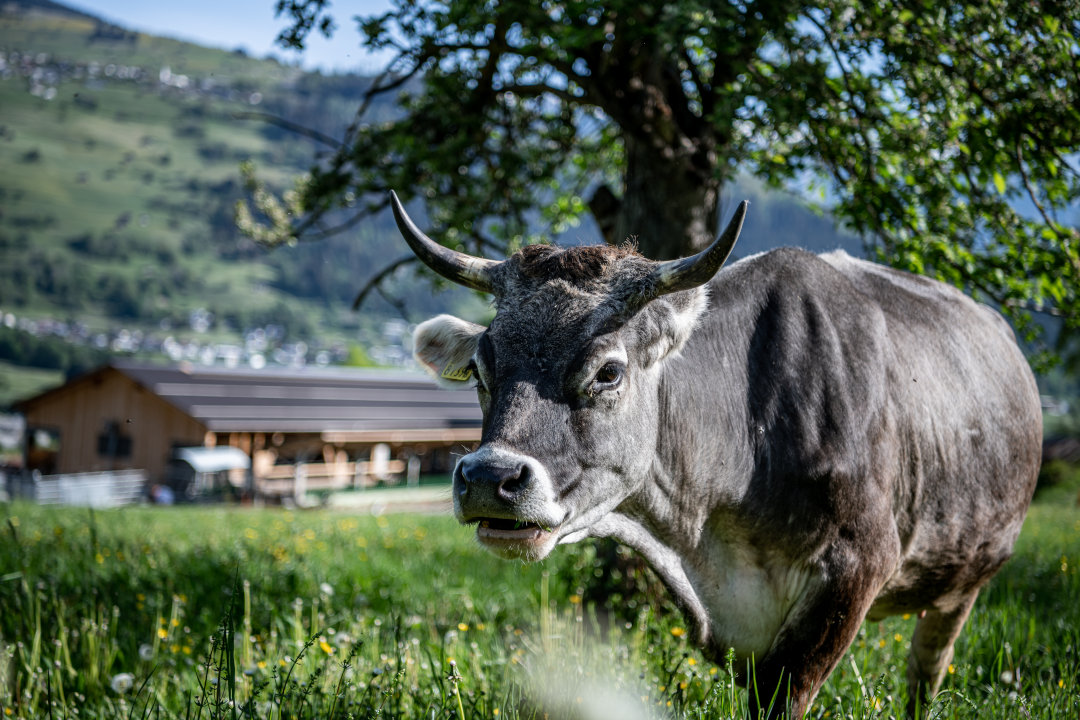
column 678, row 632
column 326, row 589
column 326, row 647
column 952, row 669
column 463, row 627
column 575, row 599
column 691, row 661
column 898, row 637
column 122, row 682
column 1006, row 677
column 162, row 633
column 146, row 652
column 881, row 643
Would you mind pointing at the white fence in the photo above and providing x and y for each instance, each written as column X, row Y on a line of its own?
column 93, row 489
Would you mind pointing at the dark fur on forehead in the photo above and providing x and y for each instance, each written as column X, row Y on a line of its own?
column 575, row 264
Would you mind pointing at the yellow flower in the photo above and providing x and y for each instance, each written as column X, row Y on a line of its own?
column 952, row 669
column 898, row 637
column 162, row 633
column 261, row 664
column 326, row 646
column 480, row 626
column 1061, row 682
column 907, row 616
column 463, row 627
column 186, row 649
column 251, row 534
column 712, row 671
column 881, row 643
column 575, row 599
column 691, row 661
column 678, row 632
column 99, row 558
column 495, row 712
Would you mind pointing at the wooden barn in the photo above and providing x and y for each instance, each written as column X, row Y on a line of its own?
column 327, row 427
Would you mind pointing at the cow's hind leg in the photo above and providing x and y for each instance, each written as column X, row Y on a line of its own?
column 932, row 651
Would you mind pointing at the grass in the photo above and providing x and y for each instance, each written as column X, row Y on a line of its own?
column 201, row 612
column 17, row 382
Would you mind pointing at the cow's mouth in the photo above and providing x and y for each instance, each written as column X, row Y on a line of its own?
column 521, row 538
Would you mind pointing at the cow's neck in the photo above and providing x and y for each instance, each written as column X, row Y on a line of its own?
column 692, row 478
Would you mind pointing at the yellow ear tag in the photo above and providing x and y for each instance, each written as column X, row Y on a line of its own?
column 460, row 374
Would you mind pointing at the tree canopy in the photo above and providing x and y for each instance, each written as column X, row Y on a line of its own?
column 946, row 134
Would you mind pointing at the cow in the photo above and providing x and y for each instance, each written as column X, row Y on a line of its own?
column 794, row 443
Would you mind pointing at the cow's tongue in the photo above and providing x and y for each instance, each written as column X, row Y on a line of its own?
column 498, row 528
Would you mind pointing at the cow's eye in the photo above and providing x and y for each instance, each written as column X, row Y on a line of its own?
column 609, row 376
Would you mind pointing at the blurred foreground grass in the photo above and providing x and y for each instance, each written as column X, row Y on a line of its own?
column 217, row 612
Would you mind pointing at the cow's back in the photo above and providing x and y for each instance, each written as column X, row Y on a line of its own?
column 966, row 428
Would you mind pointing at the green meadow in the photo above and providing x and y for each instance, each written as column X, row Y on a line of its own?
column 213, row 612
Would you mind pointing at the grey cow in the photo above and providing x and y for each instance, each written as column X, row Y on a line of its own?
column 794, row 443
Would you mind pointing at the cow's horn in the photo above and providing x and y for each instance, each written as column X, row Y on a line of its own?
column 463, row 269
column 675, row 275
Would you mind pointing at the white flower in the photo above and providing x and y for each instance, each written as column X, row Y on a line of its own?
column 146, row 652
column 122, row 682
column 326, row 589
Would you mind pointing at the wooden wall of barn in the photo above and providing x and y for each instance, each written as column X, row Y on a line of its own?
column 82, row 411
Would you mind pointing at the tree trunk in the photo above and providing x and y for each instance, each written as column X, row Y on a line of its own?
column 669, row 207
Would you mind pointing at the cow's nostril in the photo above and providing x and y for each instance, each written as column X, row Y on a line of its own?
column 508, row 483
column 514, row 484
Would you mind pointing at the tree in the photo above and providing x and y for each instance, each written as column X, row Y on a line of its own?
column 945, row 133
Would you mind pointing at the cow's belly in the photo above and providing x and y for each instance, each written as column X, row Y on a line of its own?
column 747, row 597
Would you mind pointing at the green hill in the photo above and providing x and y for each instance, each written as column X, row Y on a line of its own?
column 121, row 156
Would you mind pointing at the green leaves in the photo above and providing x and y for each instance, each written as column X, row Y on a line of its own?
column 947, row 132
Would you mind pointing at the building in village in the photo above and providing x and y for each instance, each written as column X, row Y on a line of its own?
column 323, row 428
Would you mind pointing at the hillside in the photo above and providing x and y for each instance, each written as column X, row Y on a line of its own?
column 121, row 154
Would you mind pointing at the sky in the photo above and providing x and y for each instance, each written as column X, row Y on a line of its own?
column 247, row 24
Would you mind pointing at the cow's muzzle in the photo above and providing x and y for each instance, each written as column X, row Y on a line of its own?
column 510, row 498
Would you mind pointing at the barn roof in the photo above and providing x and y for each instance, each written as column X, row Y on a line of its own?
column 317, row 400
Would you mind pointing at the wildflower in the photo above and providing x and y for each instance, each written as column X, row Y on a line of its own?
column 575, row 599
column 162, row 633
column 463, row 627
column 1006, row 677
column 952, row 669
column 122, row 682
column 146, row 652
column 326, row 589
column 326, row 647
column 881, row 643
column 691, row 661
column 678, row 632
column 495, row 712
column 898, row 637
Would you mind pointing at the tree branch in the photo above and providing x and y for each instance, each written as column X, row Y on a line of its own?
column 289, row 125
column 375, row 281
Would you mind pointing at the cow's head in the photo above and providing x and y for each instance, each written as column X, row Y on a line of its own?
column 567, row 376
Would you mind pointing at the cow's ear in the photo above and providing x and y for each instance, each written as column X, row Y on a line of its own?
column 444, row 346
column 670, row 321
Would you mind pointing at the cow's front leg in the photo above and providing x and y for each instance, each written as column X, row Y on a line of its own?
column 813, row 640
